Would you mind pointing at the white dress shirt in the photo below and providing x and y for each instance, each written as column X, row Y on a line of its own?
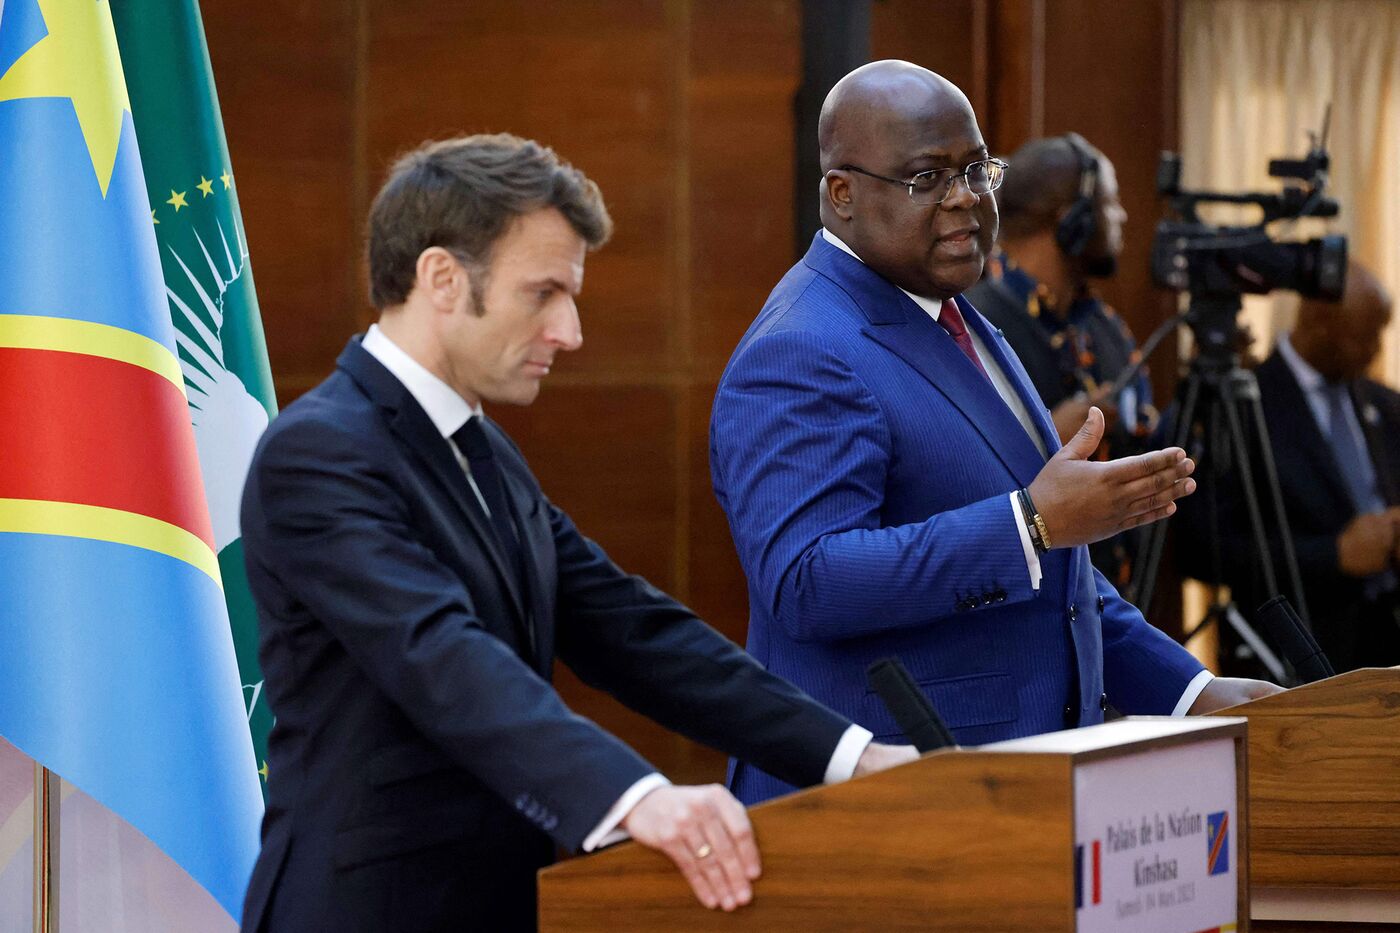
column 448, row 412
column 934, row 308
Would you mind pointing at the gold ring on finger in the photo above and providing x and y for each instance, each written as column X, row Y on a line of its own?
column 705, row 851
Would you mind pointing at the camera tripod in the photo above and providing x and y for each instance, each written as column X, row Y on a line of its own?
column 1215, row 403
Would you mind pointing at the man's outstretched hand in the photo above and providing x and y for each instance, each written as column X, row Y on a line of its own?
column 707, row 833
column 1083, row 501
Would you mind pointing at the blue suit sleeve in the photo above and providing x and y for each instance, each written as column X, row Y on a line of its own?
column 800, row 453
column 1145, row 672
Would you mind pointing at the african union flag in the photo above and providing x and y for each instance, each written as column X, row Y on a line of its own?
column 117, row 669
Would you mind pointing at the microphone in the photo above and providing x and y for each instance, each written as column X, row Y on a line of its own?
column 916, row 717
column 1294, row 641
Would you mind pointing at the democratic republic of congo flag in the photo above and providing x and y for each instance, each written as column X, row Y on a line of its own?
column 117, row 669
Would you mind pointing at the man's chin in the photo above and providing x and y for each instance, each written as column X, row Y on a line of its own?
column 954, row 278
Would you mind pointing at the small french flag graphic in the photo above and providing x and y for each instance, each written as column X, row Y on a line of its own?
column 1087, row 876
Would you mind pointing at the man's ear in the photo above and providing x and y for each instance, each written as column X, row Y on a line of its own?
column 837, row 192
column 441, row 277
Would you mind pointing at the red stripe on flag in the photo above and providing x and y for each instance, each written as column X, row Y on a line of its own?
column 95, row 431
column 1219, row 841
column 1098, row 881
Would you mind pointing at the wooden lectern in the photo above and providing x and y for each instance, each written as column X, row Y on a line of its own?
column 961, row 840
column 1324, row 800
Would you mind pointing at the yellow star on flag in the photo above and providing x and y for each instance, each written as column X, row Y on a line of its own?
column 227, row 179
column 153, row 216
column 205, row 185
column 78, row 59
column 177, row 200
column 263, row 771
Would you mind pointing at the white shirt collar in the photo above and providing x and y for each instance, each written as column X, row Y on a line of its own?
column 448, row 410
column 1309, row 379
column 932, row 307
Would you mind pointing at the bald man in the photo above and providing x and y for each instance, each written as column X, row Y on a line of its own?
column 892, row 482
column 1335, row 435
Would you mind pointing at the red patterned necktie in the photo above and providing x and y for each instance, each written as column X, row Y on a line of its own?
column 952, row 321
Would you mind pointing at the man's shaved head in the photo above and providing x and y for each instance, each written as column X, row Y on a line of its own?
column 1341, row 339
column 877, row 98
column 894, row 119
column 1046, row 182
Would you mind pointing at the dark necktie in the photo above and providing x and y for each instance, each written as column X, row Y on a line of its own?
column 471, row 440
column 1350, row 451
column 952, row 321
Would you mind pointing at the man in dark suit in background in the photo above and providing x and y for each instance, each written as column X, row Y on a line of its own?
column 1335, row 436
column 1062, row 228
column 414, row 586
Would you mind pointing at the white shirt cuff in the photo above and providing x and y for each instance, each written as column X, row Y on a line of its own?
column 608, row 831
column 1193, row 690
column 853, row 744
column 1032, row 559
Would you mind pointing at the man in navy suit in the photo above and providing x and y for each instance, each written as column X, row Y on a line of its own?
column 414, row 586
column 1335, row 436
column 892, row 482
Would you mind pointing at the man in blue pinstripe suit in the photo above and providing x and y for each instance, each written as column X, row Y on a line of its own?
column 894, row 485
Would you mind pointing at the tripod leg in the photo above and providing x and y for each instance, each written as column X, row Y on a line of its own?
column 1266, row 459
column 1145, row 573
column 1240, row 446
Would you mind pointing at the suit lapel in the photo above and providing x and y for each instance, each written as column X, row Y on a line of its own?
column 412, row 425
column 902, row 327
column 1280, row 390
column 995, row 342
column 1368, row 415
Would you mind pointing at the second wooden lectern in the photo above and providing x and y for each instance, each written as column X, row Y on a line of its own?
column 1133, row 825
column 1324, row 789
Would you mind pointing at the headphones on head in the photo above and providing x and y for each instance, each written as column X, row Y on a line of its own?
column 1078, row 226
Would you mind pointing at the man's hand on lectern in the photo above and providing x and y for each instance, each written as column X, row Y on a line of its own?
column 707, row 833
column 878, row 757
column 1230, row 691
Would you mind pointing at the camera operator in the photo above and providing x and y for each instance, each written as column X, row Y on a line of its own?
column 1335, row 436
column 1061, row 226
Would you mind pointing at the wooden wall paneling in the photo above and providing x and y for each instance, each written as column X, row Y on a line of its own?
column 1016, row 62
column 592, row 80
column 284, row 75
column 744, row 72
column 947, row 37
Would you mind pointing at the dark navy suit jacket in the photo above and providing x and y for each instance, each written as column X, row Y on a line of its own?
column 1353, row 629
column 422, row 768
column 865, row 466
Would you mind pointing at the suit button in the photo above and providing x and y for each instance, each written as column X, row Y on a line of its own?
column 1000, row 596
column 1100, row 604
column 986, row 599
column 1069, row 715
column 1073, row 612
column 1103, row 701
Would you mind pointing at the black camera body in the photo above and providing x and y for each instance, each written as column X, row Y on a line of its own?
column 1223, row 262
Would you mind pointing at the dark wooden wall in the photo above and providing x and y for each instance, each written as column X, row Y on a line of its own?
column 681, row 110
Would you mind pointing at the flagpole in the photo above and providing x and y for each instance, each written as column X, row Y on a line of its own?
column 46, row 799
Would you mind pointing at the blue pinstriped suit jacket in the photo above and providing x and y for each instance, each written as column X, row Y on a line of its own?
column 865, row 465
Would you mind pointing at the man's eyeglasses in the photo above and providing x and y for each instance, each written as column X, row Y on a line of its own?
column 982, row 177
